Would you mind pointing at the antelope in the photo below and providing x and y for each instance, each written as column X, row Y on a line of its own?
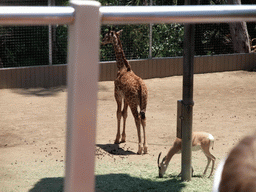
column 237, row 172
column 200, row 141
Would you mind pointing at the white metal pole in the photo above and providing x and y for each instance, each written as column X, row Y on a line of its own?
column 83, row 72
column 36, row 15
column 177, row 14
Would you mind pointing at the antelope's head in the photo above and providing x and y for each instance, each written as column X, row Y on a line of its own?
column 161, row 166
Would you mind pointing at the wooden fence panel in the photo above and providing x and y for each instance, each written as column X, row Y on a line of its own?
column 150, row 66
column 51, row 76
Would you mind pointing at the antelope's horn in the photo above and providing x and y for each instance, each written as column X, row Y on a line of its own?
column 158, row 164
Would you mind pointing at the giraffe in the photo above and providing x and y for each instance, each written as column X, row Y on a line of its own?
column 130, row 90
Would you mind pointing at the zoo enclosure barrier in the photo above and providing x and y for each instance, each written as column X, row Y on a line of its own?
column 83, row 63
column 23, row 46
column 56, row 75
column 33, row 45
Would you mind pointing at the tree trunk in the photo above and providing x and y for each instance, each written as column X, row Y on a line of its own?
column 239, row 34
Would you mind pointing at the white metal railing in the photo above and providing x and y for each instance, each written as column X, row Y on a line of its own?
column 177, row 14
column 130, row 14
column 34, row 15
column 85, row 18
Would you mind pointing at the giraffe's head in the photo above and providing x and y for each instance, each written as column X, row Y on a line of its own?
column 111, row 37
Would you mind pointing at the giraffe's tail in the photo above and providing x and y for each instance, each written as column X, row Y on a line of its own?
column 143, row 100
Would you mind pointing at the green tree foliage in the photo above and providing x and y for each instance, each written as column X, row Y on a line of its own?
column 167, row 40
column 24, row 46
column 29, row 45
column 135, row 41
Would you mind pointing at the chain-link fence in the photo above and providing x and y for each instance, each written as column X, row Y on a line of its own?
column 167, row 39
column 46, row 45
column 32, row 45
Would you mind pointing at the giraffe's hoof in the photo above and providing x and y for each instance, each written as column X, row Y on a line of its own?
column 117, row 142
column 139, row 150
column 123, row 139
column 145, row 150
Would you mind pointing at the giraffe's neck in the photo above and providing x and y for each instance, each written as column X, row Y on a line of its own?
column 120, row 56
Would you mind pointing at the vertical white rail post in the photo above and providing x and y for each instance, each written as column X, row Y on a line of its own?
column 83, row 72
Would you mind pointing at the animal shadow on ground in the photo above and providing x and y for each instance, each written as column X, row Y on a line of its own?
column 114, row 149
column 54, row 184
column 126, row 183
column 41, row 92
column 179, row 176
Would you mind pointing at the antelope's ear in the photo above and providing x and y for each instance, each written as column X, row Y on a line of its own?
column 119, row 32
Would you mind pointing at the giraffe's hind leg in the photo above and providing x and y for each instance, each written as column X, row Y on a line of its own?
column 137, row 123
column 143, row 122
column 210, row 158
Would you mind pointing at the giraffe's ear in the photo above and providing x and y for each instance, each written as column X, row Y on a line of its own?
column 119, row 32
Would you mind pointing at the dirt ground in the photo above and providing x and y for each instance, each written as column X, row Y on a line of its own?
column 33, row 123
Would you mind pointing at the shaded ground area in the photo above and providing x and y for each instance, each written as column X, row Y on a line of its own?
column 33, row 123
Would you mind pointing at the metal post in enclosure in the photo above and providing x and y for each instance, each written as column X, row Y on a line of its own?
column 50, row 35
column 150, row 36
column 83, row 72
column 187, row 102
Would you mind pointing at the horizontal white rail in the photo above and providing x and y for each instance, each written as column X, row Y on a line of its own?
column 10, row 15
column 177, row 14
column 35, row 15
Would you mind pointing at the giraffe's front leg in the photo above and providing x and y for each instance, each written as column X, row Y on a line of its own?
column 124, row 114
column 118, row 115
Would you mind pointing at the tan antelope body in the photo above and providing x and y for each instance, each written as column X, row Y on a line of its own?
column 237, row 173
column 200, row 141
